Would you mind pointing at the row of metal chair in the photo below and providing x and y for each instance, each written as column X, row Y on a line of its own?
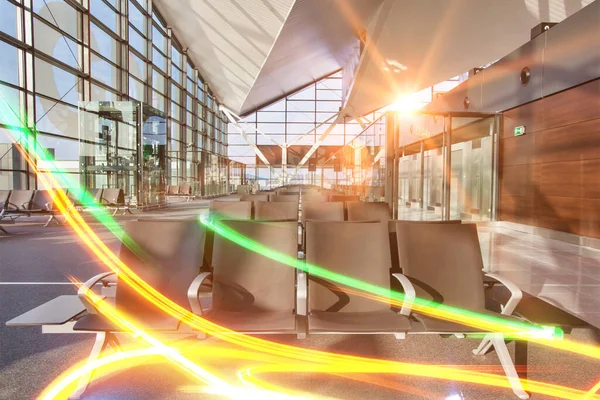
column 183, row 190
column 17, row 203
column 256, row 294
column 293, row 197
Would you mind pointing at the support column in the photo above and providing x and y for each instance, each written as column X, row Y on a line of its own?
column 447, row 168
column 422, row 177
column 391, row 188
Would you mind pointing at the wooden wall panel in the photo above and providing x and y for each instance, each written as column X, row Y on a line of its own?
column 550, row 177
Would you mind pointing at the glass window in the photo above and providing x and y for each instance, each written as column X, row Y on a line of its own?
column 56, row 118
column 104, row 71
column 176, row 74
column 176, row 56
column 175, row 111
column 159, row 40
column 159, row 60
column 175, row 93
column 12, row 116
column 175, row 131
column 9, row 14
column 136, row 18
column 104, row 44
column 55, row 44
column 105, row 14
column 158, row 81
column 102, row 94
column 158, row 20
column 158, row 101
column 9, row 63
column 55, row 82
column 136, row 89
column 67, row 18
column 137, row 42
column 137, row 66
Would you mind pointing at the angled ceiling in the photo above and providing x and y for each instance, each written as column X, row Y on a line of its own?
column 316, row 40
column 252, row 52
column 228, row 40
column 412, row 45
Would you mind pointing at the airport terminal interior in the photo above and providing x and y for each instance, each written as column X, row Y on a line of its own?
column 299, row 199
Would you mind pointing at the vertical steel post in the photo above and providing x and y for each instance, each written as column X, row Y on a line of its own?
column 447, row 168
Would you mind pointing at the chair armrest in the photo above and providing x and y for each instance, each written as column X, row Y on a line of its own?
column 302, row 293
column 193, row 292
column 515, row 294
column 409, row 293
column 83, row 289
column 8, row 208
column 49, row 205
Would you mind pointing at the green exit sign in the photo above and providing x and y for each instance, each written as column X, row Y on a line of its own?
column 519, row 130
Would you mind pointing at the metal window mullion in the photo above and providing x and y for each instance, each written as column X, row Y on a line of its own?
column 147, row 98
column 27, row 85
column 85, row 87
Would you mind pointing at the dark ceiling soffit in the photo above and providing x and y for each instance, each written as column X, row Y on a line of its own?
column 291, row 92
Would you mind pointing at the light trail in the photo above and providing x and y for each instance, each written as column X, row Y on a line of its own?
column 327, row 360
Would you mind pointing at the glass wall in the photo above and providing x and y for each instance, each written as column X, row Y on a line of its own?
column 286, row 130
column 57, row 54
column 425, row 189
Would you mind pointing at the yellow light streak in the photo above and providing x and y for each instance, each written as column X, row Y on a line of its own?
column 321, row 361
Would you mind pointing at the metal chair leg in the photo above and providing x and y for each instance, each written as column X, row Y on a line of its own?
column 103, row 340
column 508, row 366
column 3, row 230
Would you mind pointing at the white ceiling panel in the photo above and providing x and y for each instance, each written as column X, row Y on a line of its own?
column 228, row 40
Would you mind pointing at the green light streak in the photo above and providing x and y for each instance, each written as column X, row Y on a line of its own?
column 514, row 329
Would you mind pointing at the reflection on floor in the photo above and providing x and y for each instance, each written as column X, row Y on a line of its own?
column 560, row 273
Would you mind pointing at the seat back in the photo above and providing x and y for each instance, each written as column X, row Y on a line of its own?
column 392, row 224
column 360, row 211
column 114, row 196
column 337, row 197
column 244, row 280
column 167, row 254
column 314, row 197
column 172, row 190
column 231, row 209
column 185, row 189
column 275, row 211
column 284, row 198
column 20, row 200
column 320, row 211
column 254, row 197
column 356, row 249
column 4, row 196
column 443, row 261
column 96, row 194
column 42, row 201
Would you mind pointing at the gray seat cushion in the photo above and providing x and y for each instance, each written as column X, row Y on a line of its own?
column 368, row 322
column 277, row 321
column 99, row 323
column 431, row 324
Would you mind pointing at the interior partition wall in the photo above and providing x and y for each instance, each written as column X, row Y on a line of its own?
column 447, row 166
column 57, row 54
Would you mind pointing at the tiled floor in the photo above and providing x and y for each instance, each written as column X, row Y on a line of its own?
column 560, row 273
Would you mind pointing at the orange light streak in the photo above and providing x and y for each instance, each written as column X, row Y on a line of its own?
column 331, row 362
